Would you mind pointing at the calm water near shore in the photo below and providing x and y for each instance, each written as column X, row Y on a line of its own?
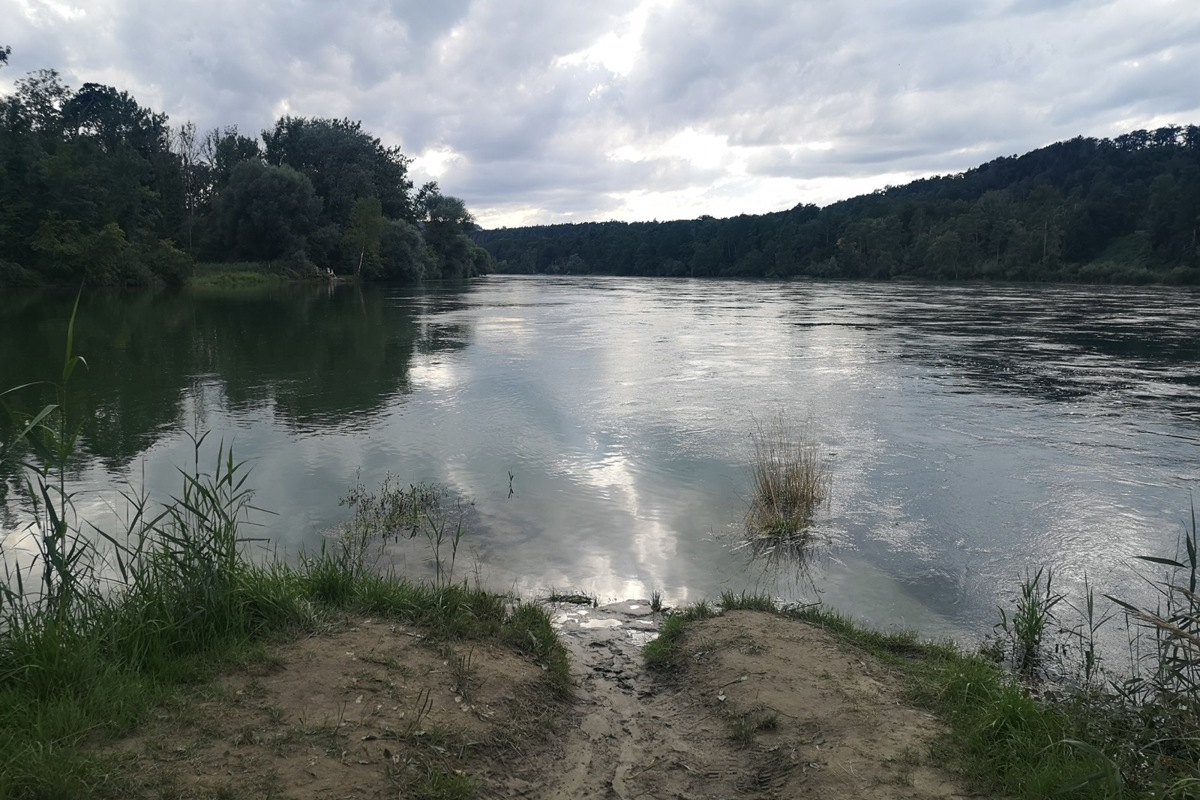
column 974, row 432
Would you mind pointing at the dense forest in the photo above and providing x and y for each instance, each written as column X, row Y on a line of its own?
column 1122, row 210
column 94, row 187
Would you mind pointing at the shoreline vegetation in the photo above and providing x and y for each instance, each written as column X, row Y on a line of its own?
column 789, row 481
column 253, row 275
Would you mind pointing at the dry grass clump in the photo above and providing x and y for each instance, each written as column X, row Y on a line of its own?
column 790, row 480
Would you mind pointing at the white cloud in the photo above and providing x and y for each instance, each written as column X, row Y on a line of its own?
column 47, row 12
column 536, row 110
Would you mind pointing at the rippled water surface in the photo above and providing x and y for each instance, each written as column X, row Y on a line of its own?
column 973, row 432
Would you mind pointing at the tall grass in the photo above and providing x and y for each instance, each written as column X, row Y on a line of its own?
column 789, row 479
column 1141, row 726
column 395, row 511
column 1026, row 629
column 1162, row 696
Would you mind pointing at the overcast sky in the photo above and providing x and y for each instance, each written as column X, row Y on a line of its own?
column 572, row 110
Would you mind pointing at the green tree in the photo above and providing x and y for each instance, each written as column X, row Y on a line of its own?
column 362, row 238
column 38, row 102
column 403, row 255
column 264, row 212
column 448, row 226
column 222, row 149
column 344, row 164
column 114, row 119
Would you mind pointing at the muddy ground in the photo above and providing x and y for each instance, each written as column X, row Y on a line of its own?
column 764, row 707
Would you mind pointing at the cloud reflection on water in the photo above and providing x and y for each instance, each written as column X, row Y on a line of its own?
column 973, row 431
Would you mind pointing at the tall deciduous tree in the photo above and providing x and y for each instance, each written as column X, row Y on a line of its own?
column 344, row 164
column 361, row 241
column 194, row 175
column 114, row 119
column 222, row 149
column 265, row 212
column 448, row 226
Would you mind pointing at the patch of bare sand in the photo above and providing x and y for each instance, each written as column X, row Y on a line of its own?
column 361, row 712
column 764, row 707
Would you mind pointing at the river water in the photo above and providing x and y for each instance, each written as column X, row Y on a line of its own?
column 973, row 433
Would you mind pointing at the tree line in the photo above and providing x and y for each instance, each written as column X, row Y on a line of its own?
column 1121, row 210
column 95, row 187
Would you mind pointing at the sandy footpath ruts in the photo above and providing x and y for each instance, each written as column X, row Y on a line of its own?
column 829, row 722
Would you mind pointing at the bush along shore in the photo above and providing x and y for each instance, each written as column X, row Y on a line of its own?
column 99, row 628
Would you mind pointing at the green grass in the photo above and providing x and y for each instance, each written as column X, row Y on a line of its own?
column 572, row 598
column 665, row 651
column 243, row 275
column 731, row 601
column 1022, row 634
column 235, row 281
column 235, row 276
column 436, row 784
column 1005, row 737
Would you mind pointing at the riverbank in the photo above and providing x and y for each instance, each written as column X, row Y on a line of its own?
column 265, row 680
column 743, row 701
column 212, row 673
column 770, row 707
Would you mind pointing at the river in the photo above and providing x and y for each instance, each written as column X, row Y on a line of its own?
column 973, row 433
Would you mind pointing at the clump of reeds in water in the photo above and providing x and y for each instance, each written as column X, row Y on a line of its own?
column 789, row 479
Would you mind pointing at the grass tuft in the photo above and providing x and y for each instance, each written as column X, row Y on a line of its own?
column 572, row 598
column 664, row 651
column 789, row 480
column 731, row 601
column 1023, row 634
column 656, row 601
column 744, row 726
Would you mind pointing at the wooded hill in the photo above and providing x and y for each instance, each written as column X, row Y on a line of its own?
column 1122, row 210
column 96, row 188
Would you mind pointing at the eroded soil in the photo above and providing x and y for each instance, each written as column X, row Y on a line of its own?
column 763, row 707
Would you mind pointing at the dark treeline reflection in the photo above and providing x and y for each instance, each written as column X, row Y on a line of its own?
column 321, row 359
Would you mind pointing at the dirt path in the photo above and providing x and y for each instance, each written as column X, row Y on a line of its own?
column 764, row 707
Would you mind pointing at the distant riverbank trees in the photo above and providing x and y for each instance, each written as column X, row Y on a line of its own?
column 1122, row 210
column 94, row 187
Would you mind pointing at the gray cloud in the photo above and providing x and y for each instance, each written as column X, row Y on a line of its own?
column 544, row 110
